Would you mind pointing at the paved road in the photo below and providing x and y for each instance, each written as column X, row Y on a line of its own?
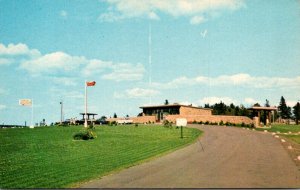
column 225, row 157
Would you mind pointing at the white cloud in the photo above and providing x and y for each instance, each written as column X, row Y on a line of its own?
column 96, row 66
column 66, row 81
column 67, row 65
column 197, row 20
column 5, row 61
column 2, row 107
column 251, row 101
column 291, row 103
column 63, row 13
column 212, row 100
column 188, row 103
column 123, row 9
column 109, row 17
column 136, row 93
column 240, row 79
column 125, row 72
column 53, row 62
column 181, row 82
column 18, row 49
column 153, row 16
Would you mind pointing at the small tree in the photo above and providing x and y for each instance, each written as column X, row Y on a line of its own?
column 115, row 115
column 284, row 110
column 166, row 102
column 206, row 106
column 267, row 104
column 296, row 112
column 256, row 105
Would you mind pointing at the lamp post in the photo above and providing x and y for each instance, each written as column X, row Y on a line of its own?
column 61, row 112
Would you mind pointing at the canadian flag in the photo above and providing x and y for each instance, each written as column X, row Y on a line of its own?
column 91, row 83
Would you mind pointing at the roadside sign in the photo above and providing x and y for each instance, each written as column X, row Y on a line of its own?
column 181, row 122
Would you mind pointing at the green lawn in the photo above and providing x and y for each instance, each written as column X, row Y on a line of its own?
column 282, row 128
column 50, row 158
column 294, row 138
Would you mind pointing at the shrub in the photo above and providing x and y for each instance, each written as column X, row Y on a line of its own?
column 86, row 134
column 200, row 122
column 111, row 123
column 194, row 122
column 221, row 122
column 136, row 125
column 206, row 123
column 167, row 124
column 243, row 124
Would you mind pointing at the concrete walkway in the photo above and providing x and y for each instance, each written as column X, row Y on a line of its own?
column 225, row 157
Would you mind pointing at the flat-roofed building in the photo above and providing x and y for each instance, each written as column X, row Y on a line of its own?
column 171, row 112
column 162, row 111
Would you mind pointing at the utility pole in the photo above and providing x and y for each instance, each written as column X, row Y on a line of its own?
column 61, row 112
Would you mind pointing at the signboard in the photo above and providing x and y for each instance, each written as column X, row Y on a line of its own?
column 25, row 102
column 181, row 122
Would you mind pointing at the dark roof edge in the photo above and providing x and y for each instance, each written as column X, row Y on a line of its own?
column 174, row 105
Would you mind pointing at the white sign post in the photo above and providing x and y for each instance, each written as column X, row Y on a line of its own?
column 180, row 122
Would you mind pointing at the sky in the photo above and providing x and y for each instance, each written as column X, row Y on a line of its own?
column 200, row 51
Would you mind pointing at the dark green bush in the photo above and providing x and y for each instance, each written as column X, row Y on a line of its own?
column 167, row 124
column 206, row 123
column 228, row 123
column 111, row 123
column 221, row 123
column 86, row 134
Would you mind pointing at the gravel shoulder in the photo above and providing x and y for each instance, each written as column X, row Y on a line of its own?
column 224, row 157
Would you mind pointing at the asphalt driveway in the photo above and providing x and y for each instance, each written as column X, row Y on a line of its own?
column 224, row 157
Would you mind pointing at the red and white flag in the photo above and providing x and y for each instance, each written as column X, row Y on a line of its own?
column 25, row 102
column 91, row 83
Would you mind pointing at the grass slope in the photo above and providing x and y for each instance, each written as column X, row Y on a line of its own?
column 294, row 138
column 282, row 128
column 49, row 158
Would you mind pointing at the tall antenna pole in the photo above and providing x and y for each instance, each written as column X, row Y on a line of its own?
column 150, row 59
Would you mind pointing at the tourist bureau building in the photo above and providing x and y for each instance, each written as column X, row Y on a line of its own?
column 171, row 112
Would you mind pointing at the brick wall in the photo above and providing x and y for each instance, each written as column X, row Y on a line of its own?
column 142, row 119
column 211, row 118
column 194, row 111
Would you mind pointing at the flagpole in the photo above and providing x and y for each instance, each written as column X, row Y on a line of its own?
column 85, row 107
column 31, row 112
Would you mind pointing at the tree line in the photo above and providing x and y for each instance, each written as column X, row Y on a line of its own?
column 283, row 112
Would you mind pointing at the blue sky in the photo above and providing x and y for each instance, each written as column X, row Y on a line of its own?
column 202, row 51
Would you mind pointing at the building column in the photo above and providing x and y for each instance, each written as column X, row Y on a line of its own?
column 258, row 115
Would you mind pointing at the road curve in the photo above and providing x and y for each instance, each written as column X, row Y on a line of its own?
column 224, row 157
